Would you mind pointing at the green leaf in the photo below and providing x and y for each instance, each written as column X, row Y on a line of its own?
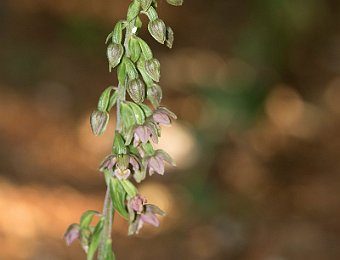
column 95, row 239
column 86, row 218
column 138, row 112
column 145, row 4
column 141, row 68
column 127, row 116
column 147, row 111
column 149, row 151
column 119, row 144
column 118, row 195
column 113, row 100
column 146, row 51
column 117, row 33
column 131, row 70
column 121, row 73
column 104, row 99
column 138, row 23
column 152, row 14
column 130, row 189
column 134, row 49
column 133, row 10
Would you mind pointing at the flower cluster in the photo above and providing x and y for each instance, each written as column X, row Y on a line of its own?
column 138, row 127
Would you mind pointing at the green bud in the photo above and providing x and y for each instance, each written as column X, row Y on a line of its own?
column 99, row 121
column 119, row 144
column 154, row 94
column 153, row 69
column 134, row 49
column 169, row 37
column 175, row 2
column 114, row 54
column 157, row 30
column 136, row 90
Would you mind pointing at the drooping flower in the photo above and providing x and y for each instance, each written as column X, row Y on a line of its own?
column 155, row 163
column 141, row 213
column 163, row 116
column 144, row 132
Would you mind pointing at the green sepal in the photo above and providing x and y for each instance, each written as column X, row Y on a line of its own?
column 146, row 51
column 118, row 195
column 134, row 49
column 130, row 189
column 119, row 144
column 87, row 217
column 95, row 239
column 133, row 10
column 138, row 112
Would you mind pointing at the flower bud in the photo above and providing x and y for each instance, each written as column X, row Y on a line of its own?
column 99, row 121
column 114, row 54
column 157, row 30
column 169, row 37
column 136, row 90
column 153, row 69
column 154, row 94
column 175, row 2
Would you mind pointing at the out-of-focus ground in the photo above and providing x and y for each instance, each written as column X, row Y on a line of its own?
column 256, row 85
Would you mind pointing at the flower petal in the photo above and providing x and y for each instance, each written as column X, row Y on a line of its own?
column 150, row 219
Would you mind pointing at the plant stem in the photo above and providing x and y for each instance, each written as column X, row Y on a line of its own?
column 108, row 213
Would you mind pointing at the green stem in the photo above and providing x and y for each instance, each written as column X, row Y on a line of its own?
column 108, row 213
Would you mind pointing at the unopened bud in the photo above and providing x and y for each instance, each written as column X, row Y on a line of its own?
column 175, row 2
column 154, row 94
column 114, row 54
column 153, row 69
column 99, row 121
column 157, row 30
column 136, row 90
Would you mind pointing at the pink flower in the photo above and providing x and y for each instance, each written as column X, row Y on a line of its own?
column 163, row 116
column 155, row 163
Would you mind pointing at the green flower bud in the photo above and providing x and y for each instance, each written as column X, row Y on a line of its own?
column 153, row 69
column 154, row 94
column 157, row 30
column 114, row 53
column 169, row 37
column 99, row 121
column 175, row 2
column 136, row 90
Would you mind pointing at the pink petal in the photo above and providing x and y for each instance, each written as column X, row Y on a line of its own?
column 161, row 118
column 150, row 219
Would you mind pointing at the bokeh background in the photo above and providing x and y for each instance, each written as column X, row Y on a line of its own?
column 256, row 86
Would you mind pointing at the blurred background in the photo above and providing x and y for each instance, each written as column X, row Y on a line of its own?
column 256, row 86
